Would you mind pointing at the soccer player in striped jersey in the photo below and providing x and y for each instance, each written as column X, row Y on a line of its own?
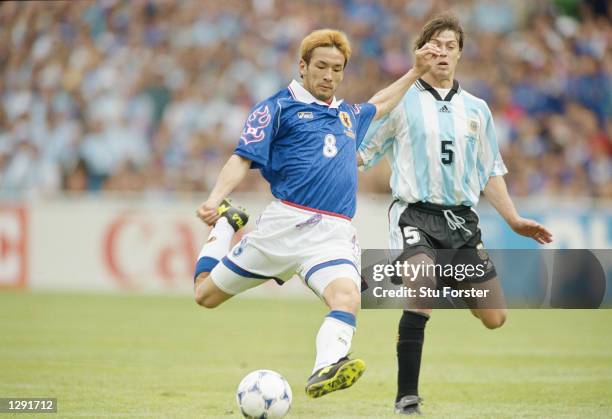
column 304, row 141
column 441, row 144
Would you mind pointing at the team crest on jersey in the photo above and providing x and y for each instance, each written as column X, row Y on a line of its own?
column 255, row 125
column 474, row 125
column 345, row 119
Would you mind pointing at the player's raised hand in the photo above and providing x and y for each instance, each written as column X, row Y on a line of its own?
column 424, row 58
column 530, row 228
column 207, row 211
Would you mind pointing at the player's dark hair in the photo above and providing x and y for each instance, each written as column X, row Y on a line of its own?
column 438, row 24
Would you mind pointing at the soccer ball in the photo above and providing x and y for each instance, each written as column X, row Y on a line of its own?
column 264, row 394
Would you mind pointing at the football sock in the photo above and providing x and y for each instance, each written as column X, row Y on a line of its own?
column 216, row 247
column 334, row 338
column 411, row 332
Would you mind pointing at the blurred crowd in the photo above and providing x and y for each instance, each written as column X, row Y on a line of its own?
column 150, row 96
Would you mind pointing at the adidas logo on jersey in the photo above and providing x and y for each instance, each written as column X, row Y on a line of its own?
column 444, row 109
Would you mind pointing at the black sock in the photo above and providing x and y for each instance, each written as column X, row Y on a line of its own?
column 411, row 332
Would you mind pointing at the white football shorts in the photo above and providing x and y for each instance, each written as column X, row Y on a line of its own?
column 290, row 240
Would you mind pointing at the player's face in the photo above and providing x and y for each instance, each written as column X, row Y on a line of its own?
column 323, row 73
column 448, row 42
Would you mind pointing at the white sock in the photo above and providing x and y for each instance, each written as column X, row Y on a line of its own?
column 333, row 341
column 219, row 240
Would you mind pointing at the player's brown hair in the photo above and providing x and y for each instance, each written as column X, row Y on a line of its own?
column 438, row 24
column 325, row 38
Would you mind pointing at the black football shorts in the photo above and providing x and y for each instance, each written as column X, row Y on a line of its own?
column 448, row 235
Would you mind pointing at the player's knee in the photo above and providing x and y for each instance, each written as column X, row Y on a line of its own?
column 204, row 296
column 494, row 320
column 494, row 323
column 206, row 299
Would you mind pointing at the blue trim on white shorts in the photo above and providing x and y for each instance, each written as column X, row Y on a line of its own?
column 243, row 272
column 240, row 271
column 332, row 262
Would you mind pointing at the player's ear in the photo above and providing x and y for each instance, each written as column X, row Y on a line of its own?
column 303, row 66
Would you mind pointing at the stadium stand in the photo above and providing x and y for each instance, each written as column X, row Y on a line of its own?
column 150, row 97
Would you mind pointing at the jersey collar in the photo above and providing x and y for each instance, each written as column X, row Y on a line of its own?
column 423, row 85
column 302, row 95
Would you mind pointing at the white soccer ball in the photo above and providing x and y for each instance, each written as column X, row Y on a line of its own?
column 264, row 394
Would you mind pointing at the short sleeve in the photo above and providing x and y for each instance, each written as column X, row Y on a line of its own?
column 378, row 139
column 499, row 168
column 258, row 133
column 490, row 157
column 364, row 113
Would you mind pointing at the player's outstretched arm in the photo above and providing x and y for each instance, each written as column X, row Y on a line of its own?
column 496, row 193
column 231, row 175
column 388, row 98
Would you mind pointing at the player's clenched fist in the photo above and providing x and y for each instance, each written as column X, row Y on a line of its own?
column 424, row 58
column 207, row 212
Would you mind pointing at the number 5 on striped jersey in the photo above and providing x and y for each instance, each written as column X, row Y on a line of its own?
column 447, row 152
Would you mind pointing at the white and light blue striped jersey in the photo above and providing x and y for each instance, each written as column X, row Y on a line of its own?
column 441, row 151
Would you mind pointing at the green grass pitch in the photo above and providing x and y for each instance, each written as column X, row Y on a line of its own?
column 146, row 356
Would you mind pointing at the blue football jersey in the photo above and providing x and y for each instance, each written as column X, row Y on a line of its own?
column 306, row 149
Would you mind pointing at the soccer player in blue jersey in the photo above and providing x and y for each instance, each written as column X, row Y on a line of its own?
column 443, row 151
column 304, row 141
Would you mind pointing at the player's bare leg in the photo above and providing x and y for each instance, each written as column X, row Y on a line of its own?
column 491, row 318
column 342, row 294
column 491, row 311
column 333, row 369
column 206, row 292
